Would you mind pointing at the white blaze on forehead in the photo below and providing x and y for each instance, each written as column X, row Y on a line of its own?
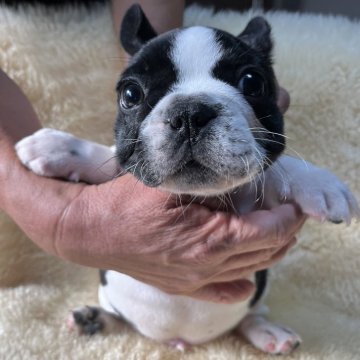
column 195, row 52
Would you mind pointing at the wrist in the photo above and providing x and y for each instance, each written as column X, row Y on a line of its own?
column 7, row 164
column 17, row 120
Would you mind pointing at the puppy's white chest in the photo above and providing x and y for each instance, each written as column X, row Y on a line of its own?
column 164, row 317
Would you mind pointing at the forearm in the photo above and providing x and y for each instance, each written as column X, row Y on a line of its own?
column 17, row 120
column 20, row 190
column 17, row 117
column 164, row 15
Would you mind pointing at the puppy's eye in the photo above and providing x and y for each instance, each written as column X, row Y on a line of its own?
column 252, row 84
column 131, row 95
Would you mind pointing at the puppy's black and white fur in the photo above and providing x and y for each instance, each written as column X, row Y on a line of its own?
column 197, row 115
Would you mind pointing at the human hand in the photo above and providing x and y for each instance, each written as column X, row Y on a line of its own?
column 191, row 250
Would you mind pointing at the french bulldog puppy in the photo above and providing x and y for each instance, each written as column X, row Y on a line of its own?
column 197, row 115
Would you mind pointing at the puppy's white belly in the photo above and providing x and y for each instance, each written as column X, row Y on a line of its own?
column 164, row 317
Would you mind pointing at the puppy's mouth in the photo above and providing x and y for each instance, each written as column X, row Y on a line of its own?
column 191, row 165
column 190, row 168
column 196, row 178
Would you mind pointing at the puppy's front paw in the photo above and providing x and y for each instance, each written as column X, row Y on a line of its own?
column 321, row 195
column 318, row 192
column 51, row 153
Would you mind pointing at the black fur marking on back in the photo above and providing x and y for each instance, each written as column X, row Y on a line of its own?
column 260, row 282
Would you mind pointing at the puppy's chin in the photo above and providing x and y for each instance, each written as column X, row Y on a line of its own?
column 196, row 179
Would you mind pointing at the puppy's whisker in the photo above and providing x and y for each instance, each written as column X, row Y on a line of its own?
column 133, row 166
column 141, row 168
column 260, row 159
column 269, row 140
column 99, row 168
column 248, row 173
column 230, row 201
column 277, row 168
column 130, row 167
column 118, row 174
column 221, row 202
column 257, row 197
column 287, row 148
column 181, row 207
column 167, row 200
column 264, row 117
column 133, row 141
column 151, row 107
column 188, row 205
column 122, row 58
column 261, row 130
column 261, row 177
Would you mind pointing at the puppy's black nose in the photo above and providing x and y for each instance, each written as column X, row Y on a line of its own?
column 202, row 115
column 177, row 122
column 192, row 115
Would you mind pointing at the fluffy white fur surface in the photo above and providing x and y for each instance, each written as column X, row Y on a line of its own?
column 68, row 62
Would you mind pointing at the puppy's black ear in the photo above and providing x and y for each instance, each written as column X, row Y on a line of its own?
column 257, row 35
column 135, row 30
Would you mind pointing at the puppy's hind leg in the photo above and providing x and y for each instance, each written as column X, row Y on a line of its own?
column 91, row 320
column 267, row 336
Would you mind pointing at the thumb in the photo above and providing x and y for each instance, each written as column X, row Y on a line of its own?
column 225, row 293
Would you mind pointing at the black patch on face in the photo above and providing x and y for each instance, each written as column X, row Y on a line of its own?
column 260, row 283
column 155, row 75
column 238, row 59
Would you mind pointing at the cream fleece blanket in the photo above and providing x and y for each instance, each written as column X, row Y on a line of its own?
column 67, row 63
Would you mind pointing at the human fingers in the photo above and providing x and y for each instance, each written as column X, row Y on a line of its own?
column 240, row 272
column 223, row 242
column 253, row 258
column 229, row 286
column 258, row 230
column 283, row 100
column 221, row 292
column 226, row 292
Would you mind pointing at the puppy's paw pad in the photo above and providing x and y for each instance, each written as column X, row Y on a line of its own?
column 289, row 347
column 285, row 340
column 87, row 321
column 279, row 342
column 268, row 337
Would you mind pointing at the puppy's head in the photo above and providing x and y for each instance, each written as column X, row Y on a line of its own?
column 197, row 106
